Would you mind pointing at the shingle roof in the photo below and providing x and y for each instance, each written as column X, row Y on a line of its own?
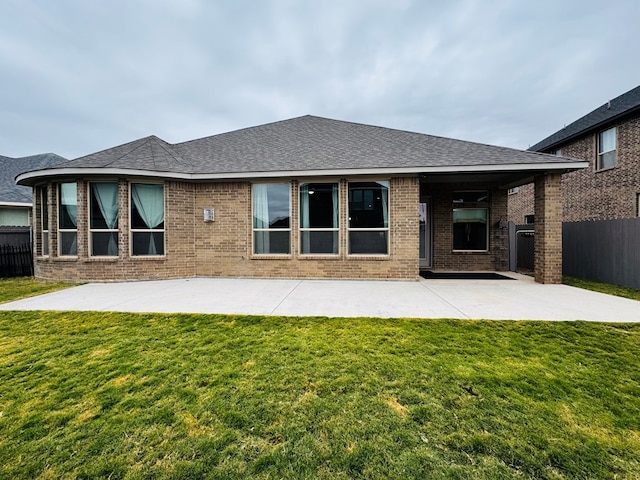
column 620, row 106
column 305, row 143
column 12, row 167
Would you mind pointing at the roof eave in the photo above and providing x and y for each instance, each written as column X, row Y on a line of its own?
column 30, row 178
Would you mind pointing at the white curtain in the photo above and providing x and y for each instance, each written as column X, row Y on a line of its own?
column 261, row 217
column 69, row 199
column 149, row 201
column 107, row 197
column 335, row 206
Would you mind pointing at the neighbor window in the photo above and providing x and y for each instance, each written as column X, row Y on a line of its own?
column 606, row 149
column 470, row 221
column 103, row 219
column 44, row 220
column 272, row 218
column 369, row 218
column 68, row 220
column 147, row 219
column 319, row 218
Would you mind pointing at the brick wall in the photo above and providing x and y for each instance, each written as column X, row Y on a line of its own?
column 444, row 258
column 548, row 229
column 589, row 194
column 224, row 247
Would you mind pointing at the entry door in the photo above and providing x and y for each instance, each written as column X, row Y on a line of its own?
column 425, row 233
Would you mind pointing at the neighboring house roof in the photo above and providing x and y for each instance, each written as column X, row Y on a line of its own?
column 305, row 145
column 621, row 106
column 10, row 168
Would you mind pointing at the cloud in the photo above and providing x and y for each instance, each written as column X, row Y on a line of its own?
column 82, row 76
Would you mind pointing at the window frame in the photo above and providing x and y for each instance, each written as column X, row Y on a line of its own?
column 386, row 229
column 133, row 231
column 310, row 230
column 61, row 230
column 254, row 229
column 44, row 218
column 100, row 230
column 600, row 154
column 471, row 205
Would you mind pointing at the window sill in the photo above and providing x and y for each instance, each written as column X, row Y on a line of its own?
column 368, row 257
column 101, row 259
column 65, row 258
column 271, row 256
column 608, row 169
column 147, row 257
column 319, row 256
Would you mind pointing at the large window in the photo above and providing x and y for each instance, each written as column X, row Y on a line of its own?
column 470, row 221
column 319, row 218
column 103, row 218
column 369, row 218
column 606, row 149
column 68, row 219
column 44, row 220
column 147, row 219
column 272, row 218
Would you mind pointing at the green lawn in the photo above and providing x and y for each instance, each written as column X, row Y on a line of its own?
column 14, row 288
column 106, row 395
column 608, row 288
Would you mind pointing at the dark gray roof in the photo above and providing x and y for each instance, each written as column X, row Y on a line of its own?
column 305, row 143
column 12, row 167
column 611, row 111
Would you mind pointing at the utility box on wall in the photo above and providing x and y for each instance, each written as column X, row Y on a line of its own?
column 209, row 215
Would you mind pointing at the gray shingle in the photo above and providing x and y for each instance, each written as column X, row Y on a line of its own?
column 304, row 144
column 609, row 112
column 12, row 167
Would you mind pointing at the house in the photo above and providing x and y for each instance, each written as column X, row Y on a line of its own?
column 15, row 200
column 609, row 139
column 308, row 197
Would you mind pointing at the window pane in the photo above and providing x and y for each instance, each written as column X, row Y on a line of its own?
column 372, row 243
column 104, row 206
column 608, row 160
column 68, row 205
column 68, row 243
column 45, row 243
column 44, row 213
column 271, row 205
column 271, row 241
column 148, row 243
column 369, row 204
column 147, row 206
column 319, row 205
column 104, row 244
column 470, row 228
column 319, row 242
column 607, row 140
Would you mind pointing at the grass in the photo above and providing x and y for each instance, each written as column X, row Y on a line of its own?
column 15, row 288
column 109, row 395
column 608, row 288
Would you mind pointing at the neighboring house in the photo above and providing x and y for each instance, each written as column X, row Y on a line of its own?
column 609, row 139
column 16, row 200
column 308, row 197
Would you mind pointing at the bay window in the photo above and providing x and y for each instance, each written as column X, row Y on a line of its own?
column 319, row 218
column 271, row 218
column 103, row 218
column 369, row 218
column 147, row 219
column 68, row 219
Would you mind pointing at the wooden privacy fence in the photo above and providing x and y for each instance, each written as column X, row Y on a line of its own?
column 604, row 250
column 16, row 260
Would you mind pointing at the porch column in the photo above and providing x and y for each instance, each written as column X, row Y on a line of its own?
column 548, row 228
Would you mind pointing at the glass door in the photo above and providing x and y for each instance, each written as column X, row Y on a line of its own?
column 425, row 233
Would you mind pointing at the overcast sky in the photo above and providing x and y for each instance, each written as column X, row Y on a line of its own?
column 79, row 76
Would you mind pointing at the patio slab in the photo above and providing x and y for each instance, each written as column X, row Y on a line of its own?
column 522, row 299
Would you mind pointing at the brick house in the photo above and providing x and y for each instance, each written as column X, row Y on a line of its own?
column 308, row 197
column 609, row 139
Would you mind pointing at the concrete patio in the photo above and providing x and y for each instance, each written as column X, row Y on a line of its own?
column 517, row 298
